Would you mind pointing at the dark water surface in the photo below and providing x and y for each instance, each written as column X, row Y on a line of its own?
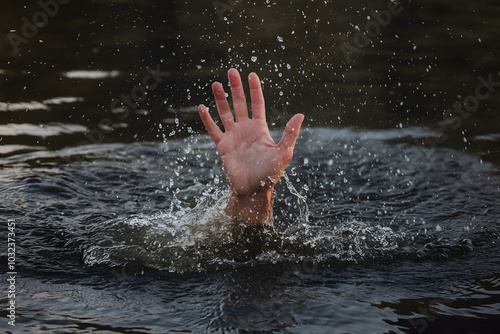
column 388, row 219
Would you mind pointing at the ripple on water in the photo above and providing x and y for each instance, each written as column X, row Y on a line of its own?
column 348, row 198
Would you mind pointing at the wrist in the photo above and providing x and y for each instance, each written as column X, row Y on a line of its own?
column 254, row 209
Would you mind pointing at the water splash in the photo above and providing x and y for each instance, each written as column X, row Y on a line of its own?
column 184, row 239
column 375, row 216
column 301, row 201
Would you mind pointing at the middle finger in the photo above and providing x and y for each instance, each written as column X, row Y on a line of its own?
column 238, row 95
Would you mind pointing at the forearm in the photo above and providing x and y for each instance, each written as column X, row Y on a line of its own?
column 256, row 209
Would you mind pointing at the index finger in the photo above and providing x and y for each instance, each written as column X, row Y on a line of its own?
column 222, row 106
column 212, row 128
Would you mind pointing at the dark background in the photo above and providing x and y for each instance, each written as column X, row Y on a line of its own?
column 427, row 58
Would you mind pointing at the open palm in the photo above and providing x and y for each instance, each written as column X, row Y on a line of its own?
column 252, row 160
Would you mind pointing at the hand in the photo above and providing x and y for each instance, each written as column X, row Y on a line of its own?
column 252, row 161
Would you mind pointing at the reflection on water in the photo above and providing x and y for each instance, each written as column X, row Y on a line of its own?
column 388, row 221
column 40, row 130
column 90, row 74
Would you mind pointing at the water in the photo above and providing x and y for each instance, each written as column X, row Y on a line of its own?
column 387, row 220
column 116, row 241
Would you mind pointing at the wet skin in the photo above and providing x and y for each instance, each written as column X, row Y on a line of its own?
column 253, row 162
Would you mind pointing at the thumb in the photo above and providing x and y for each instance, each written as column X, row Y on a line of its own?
column 287, row 142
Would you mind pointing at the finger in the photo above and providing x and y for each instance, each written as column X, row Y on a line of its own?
column 287, row 142
column 212, row 128
column 258, row 104
column 222, row 106
column 238, row 95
